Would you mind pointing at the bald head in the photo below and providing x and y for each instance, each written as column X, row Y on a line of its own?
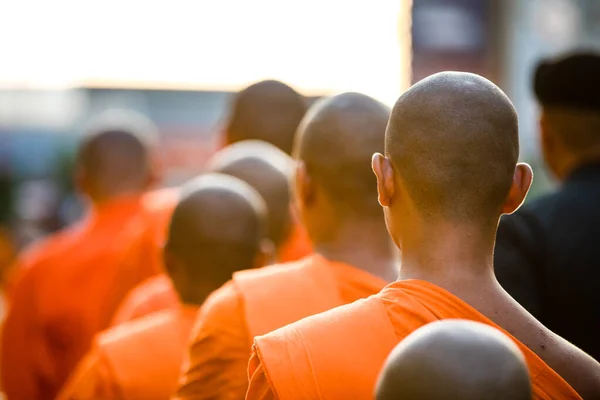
column 455, row 359
column 336, row 141
column 269, row 111
column 267, row 169
column 216, row 228
column 115, row 156
column 453, row 137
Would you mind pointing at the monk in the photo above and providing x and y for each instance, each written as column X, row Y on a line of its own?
column 70, row 284
column 449, row 171
column 267, row 110
column 455, row 359
column 218, row 227
column 336, row 194
column 268, row 170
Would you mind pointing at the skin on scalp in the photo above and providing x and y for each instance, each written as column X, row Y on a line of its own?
column 267, row 110
column 439, row 148
column 335, row 189
column 268, row 170
column 455, row 359
column 216, row 229
column 335, row 142
column 115, row 156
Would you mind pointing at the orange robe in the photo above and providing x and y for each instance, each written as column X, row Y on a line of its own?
column 255, row 302
column 137, row 360
column 154, row 294
column 157, row 293
column 338, row 354
column 68, row 289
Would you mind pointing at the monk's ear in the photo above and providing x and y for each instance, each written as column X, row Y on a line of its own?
column 305, row 188
column 382, row 167
column 265, row 254
column 521, row 183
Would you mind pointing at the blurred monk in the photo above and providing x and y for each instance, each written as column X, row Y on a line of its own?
column 70, row 284
column 449, row 172
column 218, row 227
column 455, row 359
column 267, row 110
column 336, row 195
column 267, row 169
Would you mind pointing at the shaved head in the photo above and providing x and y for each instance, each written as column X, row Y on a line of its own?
column 269, row 111
column 336, row 141
column 115, row 156
column 453, row 138
column 268, row 170
column 455, row 359
column 217, row 227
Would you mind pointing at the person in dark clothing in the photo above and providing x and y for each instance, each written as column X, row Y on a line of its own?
column 548, row 253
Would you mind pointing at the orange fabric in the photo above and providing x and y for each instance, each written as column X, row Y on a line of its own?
column 138, row 360
column 159, row 205
column 154, row 294
column 67, row 290
column 318, row 357
column 256, row 302
column 297, row 246
column 157, row 293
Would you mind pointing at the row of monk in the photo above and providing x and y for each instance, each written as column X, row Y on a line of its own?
column 318, row 244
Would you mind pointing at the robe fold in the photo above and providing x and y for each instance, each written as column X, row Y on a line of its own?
column 139, row 360
column 338, row 354
column 256, row 302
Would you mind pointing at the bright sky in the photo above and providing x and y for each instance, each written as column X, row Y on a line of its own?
column 315, row 45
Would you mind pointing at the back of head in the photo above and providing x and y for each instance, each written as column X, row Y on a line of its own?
column 268, row 170
column 336, row 141
column 567, row 87
column 115, row 156
column 455, row 359
column 269, row 111
column 453, row 138
column 216, row 228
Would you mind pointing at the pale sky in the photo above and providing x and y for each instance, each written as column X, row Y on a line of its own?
column 314, row 45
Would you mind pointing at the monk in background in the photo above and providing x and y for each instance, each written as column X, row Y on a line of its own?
column 354, row 257
column 268, row 170
column 455, row 359
column 449, row 172
column 218, row 227
column 71, row 283
column 268, row 111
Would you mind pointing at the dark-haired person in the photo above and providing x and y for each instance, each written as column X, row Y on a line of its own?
column 547, row 253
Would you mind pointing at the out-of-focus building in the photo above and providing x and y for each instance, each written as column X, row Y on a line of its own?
column 503, row 40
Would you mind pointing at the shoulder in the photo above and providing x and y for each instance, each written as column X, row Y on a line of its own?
column 221, row 312
column 47, row 248
column 275, row 270
column 130, row 332
column 332, row 322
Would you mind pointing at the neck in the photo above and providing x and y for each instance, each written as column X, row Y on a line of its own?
column 365, row 245
column 448, row 254
column 195, row 296
column 565, row 165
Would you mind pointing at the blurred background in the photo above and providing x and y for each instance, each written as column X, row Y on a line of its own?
column 179, row 61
